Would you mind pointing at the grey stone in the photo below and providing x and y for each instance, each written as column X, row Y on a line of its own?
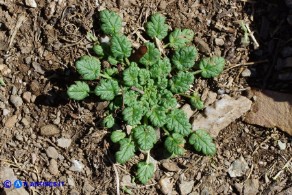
column 49, row 130
column 16, row 100
column 224, row 112
column 10, row 123
column 238, row 168
column 246, row 73
column 52, row 152
column 64, row 143
column 271, row 109
column 186, row 187
column 188, row 110
column 26, row 96
column 53, row 167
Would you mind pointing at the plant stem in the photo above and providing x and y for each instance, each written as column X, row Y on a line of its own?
column 185, row 95
column 148, row 157
column 166, row 45
column 138, row 90
column 197, row 72
column 165, row 131
column 127, row 61
column 105, row 76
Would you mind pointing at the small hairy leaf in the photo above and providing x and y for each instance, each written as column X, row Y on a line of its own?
column 162, row 83
column 130, row 97
column 161, row 69
column 197, row 102
column 145, row 137
column 211, row 67
column 144, row 76
column 167, row 100
column 111, row 22
column 133, row 114
column 98, row 50
column 112, row 60
column 145, row 172
column 156, row 27
column 175, row 144
column 178, row 122
column 111, row 71
column 88, row 67
column 202, row 142
column 130, row 76
column 117, row 135
column 126, row 152
column 121, row 47
column 157, row 116
column 78, row 91
column 108, row 121
column 151, row 56
column 184, row 58
column 181, row 82
column 150, row 95
column 180, row 38
column 107, row 90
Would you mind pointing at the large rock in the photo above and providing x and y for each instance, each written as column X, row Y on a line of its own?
column 225, row 111
column 271, row 109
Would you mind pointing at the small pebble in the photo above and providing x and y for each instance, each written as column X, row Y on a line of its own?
column 246, row 73
column 64, row 143
column 11, row 121
column 25, row 122
column 77, row 166
column 282, row 145
column 5, row 112
column 16, row 100
column 219, row 41
column 49, row 130
column 52, row 152
column 53, row 167
column 26, row 96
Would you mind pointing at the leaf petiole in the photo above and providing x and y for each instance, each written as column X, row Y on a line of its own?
column 197, row 72
column 148, row 157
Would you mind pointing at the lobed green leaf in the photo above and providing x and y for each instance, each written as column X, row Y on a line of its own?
column 107, row 90
column 133, row 114
column 157, row 27
column 130, row 97
column 111, row 22
column 78, row 91
column 202, row 142
column 160, row 69
column 175, row 144
column 145, row 137
column 178, row 122
column 121, row 47
column 126, row 152
column 167, row 100
column 157, row 116
column 197, row 102
column 145, row 172
column 180, row 38
column 88, row 67
column 181, row 82
column 130, row 75
column 184, row 58
column 151, row 56
column 117, row 135
column 212, row 67
column 108, row 121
